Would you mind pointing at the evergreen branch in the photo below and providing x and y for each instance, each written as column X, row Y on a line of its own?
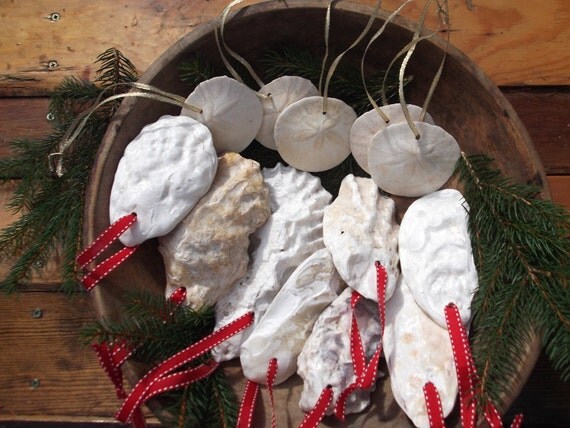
column 115, row 68
column 522, row 253
column 195, row 71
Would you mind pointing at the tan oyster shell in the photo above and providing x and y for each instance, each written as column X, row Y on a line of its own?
column 290, row 235
column 360, row 228
column 285, row 326
column 207, row 251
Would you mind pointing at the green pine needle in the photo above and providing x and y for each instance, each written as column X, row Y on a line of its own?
column 522, row 252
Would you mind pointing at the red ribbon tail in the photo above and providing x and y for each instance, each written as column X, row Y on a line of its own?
column 317, row 413
column 517, row 421
column 270, row 380
column 340, row 405
column 93, row 277
column 247, row 406
column 433, row 405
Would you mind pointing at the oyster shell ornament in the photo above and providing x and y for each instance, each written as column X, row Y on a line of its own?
column 360, row 228
column 436, row 256
column 417, row 351
column 293, row 231
column 231, row 111
column 367, row 125
column 163, row 173
column 288, row 321
column 403, row 165
column 312, row 139
column 326, row 357
column 278, row 95
column 207, row 251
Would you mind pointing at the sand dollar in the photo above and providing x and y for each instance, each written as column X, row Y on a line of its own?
column 231, row 111
column 370, row 123
column 403, row 165
column 281, row 93
column 311, row 140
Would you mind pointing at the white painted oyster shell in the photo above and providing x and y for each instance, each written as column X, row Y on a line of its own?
column 285, row 326
column 280, row 93
column 370, row 123
column 231, row 111
column 292, row 233
column 360, row 228
column 402, row 165
column 326, row 358
column 163, row 173
column 207, row 251
column 417, row 351
column 436, row 256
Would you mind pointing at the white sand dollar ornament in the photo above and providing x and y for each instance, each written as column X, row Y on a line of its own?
column 402, row 165
column 370, row 123
column 311, row 140
column 163, row 173
column 231, row 111
column 279, row 94
column 436, row 255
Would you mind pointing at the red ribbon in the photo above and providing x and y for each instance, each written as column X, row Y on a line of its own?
column 245, row 416
column 157, row 377
column 315, row 416
column 365, row 373
column 103, row 241
column 270, row 381
column 433, row 404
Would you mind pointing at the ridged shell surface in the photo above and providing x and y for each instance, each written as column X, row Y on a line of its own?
column 417, row 350
column 360, row 228
column 293, row 231
column 285, row 326
column 207, row 251
column 163, row 173
column 326, row 358
column 436, row 255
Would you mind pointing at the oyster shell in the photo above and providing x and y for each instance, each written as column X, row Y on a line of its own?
column 359, row 228
column 163, row 173
column 292, row 233
column 436, row 256
column 326, row 358
column 207, row 251
column 417, row 350
column 285, row 326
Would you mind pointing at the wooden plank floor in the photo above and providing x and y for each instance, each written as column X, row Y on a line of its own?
column 46, row 375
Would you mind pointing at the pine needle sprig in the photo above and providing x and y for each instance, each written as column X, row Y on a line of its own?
column 50, row 208
column 158, row 329
column 195, row 71
column 522, row 252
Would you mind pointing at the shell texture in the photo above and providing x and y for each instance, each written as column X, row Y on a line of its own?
column 326, row 358
column 370, row 123
column 360, row 228
column 402, row 165
column 417, row 350
column 285, row 326
column 230, row 110
column 311, row 140
column 436, row 256
column 281, row 93
column 207, row 251
column 292, row 232
column 163, row 173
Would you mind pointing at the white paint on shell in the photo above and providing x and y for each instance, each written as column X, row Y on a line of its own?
column 402, row 165
column 326, row 358
column 280, row 93
column 311, row 140
column 370, row 123
column 417, row 351
column 360, row 228
column 231, row 111
column 436, row 256
column 288, row 321
column 207, row 251
column 163, row 173
column 292, row 233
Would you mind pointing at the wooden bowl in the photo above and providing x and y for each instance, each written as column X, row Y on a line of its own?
column 466, row 103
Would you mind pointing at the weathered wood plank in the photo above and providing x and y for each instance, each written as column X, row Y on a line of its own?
column 543, row 111
column 514, row 42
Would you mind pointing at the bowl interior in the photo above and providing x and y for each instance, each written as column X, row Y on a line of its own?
column 466, row 104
